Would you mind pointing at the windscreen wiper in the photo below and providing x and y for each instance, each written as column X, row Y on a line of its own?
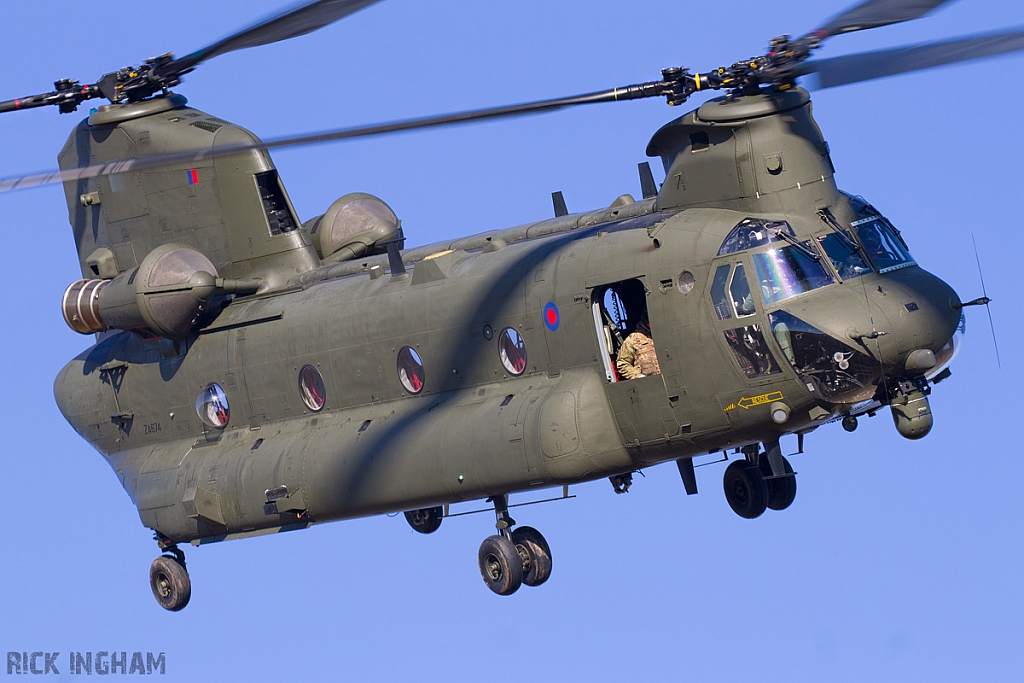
column 800, row 246
column 843, row 236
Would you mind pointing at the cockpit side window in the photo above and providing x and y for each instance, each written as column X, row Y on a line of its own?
column 742, row 301
column 830, row 369
column 718, row 296
column 751, row 351
column 754, row 232
column 882, row 244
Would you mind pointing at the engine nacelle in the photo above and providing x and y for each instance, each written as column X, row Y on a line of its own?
column 164, row 295
column 354, row 225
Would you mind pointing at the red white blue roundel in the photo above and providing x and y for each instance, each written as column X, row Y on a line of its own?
column 551, row 316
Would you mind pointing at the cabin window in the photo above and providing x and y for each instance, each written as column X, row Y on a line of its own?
column 410, row 370
column 751, row 351
column 311, row 388
column 212, row 406
column 686, row 282
column 512, row 351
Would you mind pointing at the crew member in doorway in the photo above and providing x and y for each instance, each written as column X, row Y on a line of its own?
column 637, row 357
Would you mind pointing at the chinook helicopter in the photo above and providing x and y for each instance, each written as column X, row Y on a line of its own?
column 776, row 304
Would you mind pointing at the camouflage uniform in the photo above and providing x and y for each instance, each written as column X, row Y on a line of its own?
column 637, row 357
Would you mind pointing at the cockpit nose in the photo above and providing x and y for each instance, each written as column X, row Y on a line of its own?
column 923, row 315
column 877, row 326
column 922, row 312
column 881, row 338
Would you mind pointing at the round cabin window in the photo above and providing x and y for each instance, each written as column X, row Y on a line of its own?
column 311, row 388
column 686, row 281
column 410, row 370
column 512, row 349
column 212, row 406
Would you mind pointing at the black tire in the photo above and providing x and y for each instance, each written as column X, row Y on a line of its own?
column 535, row 553
column 425, row 520
column 500, row 565
column 745, row 489
column 170, row 583
column 782, row 491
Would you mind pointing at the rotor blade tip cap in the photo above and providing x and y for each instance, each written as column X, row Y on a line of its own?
column 876, row 13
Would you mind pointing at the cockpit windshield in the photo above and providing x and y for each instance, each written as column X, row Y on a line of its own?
column 754, row 232
column 786, row 272
column 845, row 255
column 882, row 244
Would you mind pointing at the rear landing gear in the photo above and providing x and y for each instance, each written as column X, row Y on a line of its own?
column 500, row 565
column 169, row 579
column 513, row 558
column 536, row 555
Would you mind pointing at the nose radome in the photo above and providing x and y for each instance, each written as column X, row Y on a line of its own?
column 923, row 310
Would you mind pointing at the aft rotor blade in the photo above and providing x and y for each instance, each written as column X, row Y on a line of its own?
column 509, row 111
column 293, row 23
column 875, row 13
column 865, row 66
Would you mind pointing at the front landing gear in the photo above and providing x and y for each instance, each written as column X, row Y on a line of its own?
column 745, row 489
column 781, row 490
column 512, row 558
column 169, row 579
column 762, row 481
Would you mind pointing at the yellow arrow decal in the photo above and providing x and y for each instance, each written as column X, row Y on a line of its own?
column 747, row 403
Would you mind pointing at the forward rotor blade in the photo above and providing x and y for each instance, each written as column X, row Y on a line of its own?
column 509, row 111
column 875, row 13
column 984, row 293
column 866, row 66
column 293, row 23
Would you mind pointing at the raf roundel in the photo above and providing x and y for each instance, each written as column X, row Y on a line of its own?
column 551, row 316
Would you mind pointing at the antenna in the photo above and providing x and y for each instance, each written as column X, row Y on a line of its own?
column 647, row 184
column 393, row 247
column 559, row 204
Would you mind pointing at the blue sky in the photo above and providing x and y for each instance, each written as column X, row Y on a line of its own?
column 898, row 561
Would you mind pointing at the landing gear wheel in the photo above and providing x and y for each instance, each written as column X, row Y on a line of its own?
column 500, row 565
column 745, row 489
column 781, row 491
column 170, row 583
column 425, row 520
column 535, row 553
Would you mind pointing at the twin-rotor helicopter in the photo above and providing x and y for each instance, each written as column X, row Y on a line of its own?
column 253, row 373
